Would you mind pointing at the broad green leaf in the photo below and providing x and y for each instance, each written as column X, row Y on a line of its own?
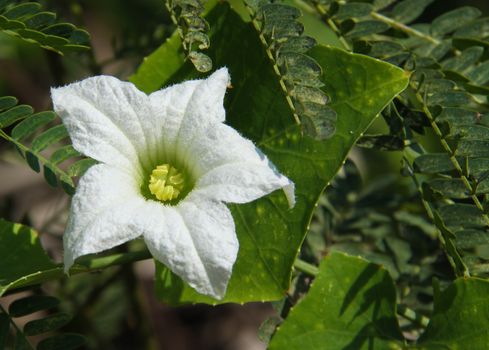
column 350, row 305
column 269, row 233
column 459, row 319
column 160, row 65
column 21, row 254
column 31, row 304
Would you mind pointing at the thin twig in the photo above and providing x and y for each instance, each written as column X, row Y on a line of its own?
column 82, row 265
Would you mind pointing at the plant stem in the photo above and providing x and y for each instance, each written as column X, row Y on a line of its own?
column 382, row 18
column 306, row 267
column 83, row 265
column 404, row 28
column 103, row 262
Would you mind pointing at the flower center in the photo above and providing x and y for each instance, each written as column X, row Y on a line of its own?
column 166, row 182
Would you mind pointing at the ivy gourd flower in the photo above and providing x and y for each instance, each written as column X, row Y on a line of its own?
column 167, row 164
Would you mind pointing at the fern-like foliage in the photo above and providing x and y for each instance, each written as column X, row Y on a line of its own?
column 281, row 34
column 11, row 334
column 192, row 28
column 34, row 141
column 377, row 222
column 448, row 94
column 28, row 21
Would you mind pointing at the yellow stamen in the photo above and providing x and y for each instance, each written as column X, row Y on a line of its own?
column 166, row 182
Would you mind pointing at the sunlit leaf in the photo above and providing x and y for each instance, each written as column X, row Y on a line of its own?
column 21, row 254
column 351, row 305
column 459, row 318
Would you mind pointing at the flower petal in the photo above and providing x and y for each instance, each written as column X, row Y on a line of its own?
column 243, row 183
column 205, row 108
column 207, row 100
column 196, row 240
column 168, row 108
column 230, row 168
column 182, row 110
column 102, row 115
column 102, row 213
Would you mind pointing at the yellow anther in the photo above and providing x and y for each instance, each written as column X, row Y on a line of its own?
column 166, row 182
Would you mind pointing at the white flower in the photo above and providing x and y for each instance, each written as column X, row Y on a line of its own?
column 167, row 165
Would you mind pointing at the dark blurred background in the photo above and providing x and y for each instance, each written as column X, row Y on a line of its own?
column 116, row 309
